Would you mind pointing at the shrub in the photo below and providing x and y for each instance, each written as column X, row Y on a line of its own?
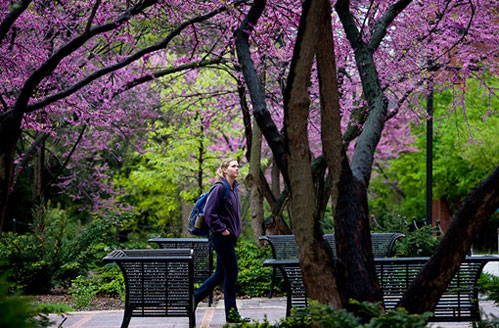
column 17, row 312
column 489, row 285
column 83, row 291
column 421, row 242
column 110, row 282
column 318, row 315
column 53, row 253
column 253, row 279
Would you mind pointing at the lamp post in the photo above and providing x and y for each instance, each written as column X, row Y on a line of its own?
column 429, row 154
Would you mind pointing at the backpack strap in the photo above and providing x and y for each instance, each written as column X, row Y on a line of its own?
column 227, row 189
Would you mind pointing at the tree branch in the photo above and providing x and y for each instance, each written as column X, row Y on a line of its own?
column 16, row 10
column 92, row 15
column 92, row 77
column 382, row 24
column 262, row 115
column 50, row 64
column 167, row 71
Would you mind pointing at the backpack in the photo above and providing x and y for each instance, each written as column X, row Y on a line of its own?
column 195, row 224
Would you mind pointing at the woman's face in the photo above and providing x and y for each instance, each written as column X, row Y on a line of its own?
column 232, row 170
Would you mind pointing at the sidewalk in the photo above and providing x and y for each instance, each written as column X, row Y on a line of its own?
column 213, row 317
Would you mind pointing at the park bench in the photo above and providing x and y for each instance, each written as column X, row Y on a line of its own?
column 159, row 283
column 458, row 303
column 284, row 248
column 203, row 255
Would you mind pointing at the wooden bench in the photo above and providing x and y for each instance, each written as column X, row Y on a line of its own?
column 159, row 283
column 284, row 248
column 203, row 255
column 458, row 303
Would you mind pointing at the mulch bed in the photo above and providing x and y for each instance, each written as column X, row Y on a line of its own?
column 98, row 303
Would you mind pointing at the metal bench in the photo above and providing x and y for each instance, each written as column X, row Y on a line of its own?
column 284, row 248
column 203, row 255
column 159, row 283
column 458, row 303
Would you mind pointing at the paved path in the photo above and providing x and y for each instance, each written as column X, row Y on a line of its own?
column 213, row 317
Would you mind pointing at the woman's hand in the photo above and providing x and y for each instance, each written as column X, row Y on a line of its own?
column 225, row 232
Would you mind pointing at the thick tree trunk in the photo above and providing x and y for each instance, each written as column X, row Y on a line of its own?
column 357, row 277
column 10, row 131
column 436, row 275
column 314, row 254
column 355, row 265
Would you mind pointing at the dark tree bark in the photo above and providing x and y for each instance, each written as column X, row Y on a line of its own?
column 431, row 282
column 10, row 131
column 260, row 110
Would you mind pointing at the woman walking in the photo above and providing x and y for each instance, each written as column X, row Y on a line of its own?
column 223, row 217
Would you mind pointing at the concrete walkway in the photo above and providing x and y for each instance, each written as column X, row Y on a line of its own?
column 255, row 308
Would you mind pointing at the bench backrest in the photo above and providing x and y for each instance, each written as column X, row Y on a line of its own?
column 203, row 254
column 458, row 303
column 158, row 282
column 284, row 246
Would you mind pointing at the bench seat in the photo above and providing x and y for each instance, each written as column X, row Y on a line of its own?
column 159, row 283
column 458, row 303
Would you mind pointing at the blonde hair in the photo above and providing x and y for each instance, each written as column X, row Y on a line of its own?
column 225, row 164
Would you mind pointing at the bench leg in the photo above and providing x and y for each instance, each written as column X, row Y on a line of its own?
column 126, row 321
column 271, row 291
column 192, row 320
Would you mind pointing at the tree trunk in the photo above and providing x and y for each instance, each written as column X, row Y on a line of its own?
column 39, row 164
column 255, row 193
column 276, row 182
column 314, row 254
column 431, row 282
column 10, row 131
column 355, row 265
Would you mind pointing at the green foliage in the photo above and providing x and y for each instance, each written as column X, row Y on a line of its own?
column 107, row 281
column 17, row 312
column 253, row 279
column 110, row 281
column 180, row 161
column 53, row 253
column 59, row 308
column 318, row 315
column 465, row 151
column 421, row 242
column 489, row 284
column 83, row 291
column 487, row 322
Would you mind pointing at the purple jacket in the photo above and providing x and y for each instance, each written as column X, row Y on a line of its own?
column 221, row 214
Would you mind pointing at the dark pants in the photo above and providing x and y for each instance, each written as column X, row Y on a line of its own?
column 225, row 271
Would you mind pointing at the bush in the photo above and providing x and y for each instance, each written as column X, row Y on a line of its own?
column 253, row 279
column 53, row 253
column 489, row 285
column 83, row 291
column 17, row 312
column 110, row 282
column 421, row 242
column 370, row 316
